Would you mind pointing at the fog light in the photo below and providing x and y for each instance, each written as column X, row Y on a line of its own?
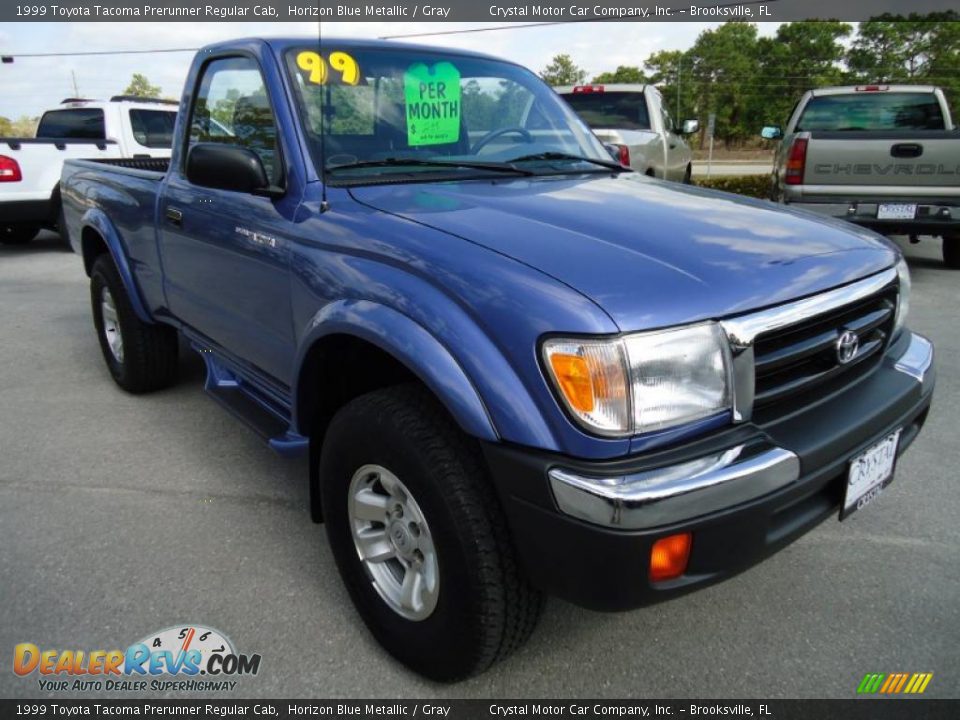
column 669, row 556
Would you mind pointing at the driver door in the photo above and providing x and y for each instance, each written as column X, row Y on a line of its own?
column 225, row 253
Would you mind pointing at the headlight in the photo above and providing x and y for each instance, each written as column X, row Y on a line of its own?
column 591, row 376
column 642, row 382
column 903, row 298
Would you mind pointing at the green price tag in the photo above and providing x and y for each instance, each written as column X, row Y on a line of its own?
column 432, row 96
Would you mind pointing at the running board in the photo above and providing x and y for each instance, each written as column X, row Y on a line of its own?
column 243, row 401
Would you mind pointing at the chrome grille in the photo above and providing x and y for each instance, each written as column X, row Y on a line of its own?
column 800, row 357
column 790, row 343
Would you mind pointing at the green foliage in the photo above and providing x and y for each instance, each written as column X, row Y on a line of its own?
column 803, row 55
column 140, row 87
column 563, row 71
column 623, row 74
column 749, row 81
column 23, row 127
column 757, row 186
column 911, row 49
column 222, row 110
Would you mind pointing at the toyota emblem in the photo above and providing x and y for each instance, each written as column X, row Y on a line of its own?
column 847, row 345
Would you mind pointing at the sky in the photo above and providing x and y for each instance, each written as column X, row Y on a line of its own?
column 31, row 85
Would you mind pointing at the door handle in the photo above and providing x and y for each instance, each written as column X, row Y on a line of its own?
column 906, row 150
column 174, row 216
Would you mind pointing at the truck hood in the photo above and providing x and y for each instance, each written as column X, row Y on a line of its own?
column 649, row 253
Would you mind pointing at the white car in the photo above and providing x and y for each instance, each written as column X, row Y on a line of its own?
column 122, row 127
column 635, row 119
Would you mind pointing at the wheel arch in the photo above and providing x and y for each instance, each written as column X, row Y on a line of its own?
column 97, row 237
column 358, row 346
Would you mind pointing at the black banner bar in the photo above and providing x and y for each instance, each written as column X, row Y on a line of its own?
column 862, row 709
column 458, row 10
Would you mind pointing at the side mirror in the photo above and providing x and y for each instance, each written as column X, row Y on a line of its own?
column 227, row 167
column 771, row 132
column 689, row 127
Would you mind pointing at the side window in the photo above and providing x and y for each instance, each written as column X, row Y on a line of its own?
column 153, row 128
column 232, row 107
column 668, row 125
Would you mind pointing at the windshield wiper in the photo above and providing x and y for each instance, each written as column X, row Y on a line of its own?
column 566, row 156
column 417, row 162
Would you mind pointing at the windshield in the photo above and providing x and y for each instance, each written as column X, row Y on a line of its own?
column 872, row 111
column 451, row 115
column 609, row 110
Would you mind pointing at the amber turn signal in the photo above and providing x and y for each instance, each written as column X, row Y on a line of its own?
column 669, row 556
column 573, row 376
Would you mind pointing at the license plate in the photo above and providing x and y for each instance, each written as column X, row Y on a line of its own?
column 897, row 211
column 870, row 472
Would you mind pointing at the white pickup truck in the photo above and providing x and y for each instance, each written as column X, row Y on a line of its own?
column 886, row 157
column 122, row 127
column 635, row 120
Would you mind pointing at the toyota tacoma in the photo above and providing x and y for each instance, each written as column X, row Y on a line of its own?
column 517, row 367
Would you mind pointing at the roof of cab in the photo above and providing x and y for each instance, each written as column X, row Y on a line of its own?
column 281, row 44
column 859, row 89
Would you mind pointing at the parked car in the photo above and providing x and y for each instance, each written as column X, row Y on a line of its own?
column 123, row 127
column 517, row 366
column 886, row 157
column 635, row 120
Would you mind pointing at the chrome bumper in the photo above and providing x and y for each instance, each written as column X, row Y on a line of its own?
column 652, row 498
column 678, row 492
column 917, row 360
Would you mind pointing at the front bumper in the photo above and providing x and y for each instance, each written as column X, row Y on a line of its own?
column 584, row 530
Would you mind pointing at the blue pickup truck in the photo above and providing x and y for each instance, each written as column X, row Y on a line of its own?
column 518, row 368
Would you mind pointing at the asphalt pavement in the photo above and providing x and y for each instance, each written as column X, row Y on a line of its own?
column 122, row 515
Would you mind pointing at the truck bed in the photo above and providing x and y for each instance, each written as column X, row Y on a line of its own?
column 155, row 165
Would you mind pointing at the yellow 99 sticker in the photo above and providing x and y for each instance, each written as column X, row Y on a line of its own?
column 318, row 70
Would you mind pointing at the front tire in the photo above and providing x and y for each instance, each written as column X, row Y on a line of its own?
column 951, row 251
column 18, row 234
column 141, row 357
column 403, row 492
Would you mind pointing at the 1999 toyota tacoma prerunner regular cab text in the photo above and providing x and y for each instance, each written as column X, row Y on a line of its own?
column 518, row 367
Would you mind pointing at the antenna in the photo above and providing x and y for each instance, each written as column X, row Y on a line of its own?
column 325, row 102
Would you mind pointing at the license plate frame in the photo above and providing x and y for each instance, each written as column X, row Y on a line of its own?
column 869, row 472
column 897, row 211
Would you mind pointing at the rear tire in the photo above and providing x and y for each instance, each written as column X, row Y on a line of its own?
column 951, row 251
column 473, row 606
column 141, row 357
column 18, row 234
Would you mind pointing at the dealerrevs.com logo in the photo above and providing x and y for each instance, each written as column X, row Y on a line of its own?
column 178, row 658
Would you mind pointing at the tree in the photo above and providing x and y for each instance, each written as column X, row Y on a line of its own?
column 6, row 127
column 721, row 64
column 801, row 56
column 140, row 87
column 623, row 74
column 664, row 69
column 563, row 71
column 913, row 49
column 24, row 126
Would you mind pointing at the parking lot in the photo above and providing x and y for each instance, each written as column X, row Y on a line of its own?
column 123, row 515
